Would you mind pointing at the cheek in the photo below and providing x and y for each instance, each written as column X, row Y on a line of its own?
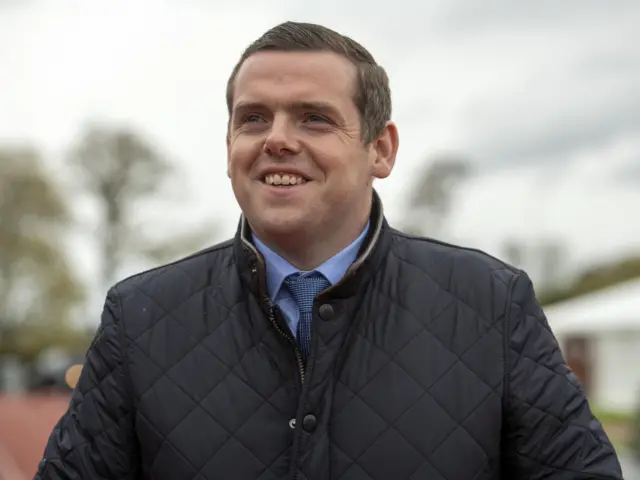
column 334, row 156
column 350, row 169
column 242, row 154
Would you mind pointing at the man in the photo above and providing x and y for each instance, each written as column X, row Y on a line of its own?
column 320, row 343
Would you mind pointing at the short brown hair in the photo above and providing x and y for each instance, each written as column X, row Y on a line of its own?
column 372, row 94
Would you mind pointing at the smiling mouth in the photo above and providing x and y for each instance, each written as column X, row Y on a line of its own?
column 283, row 180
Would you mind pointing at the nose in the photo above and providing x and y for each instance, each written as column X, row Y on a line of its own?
column 281, row 140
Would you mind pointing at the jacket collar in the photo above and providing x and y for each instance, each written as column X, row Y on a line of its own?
column 333, row 269
column 252, row 269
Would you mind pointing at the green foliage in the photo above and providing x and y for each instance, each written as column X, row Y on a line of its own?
column 635, row 432
column 607, row 416
column 38, row 290
column 431, row 197
column 119, row 170
column 27, row 340
column 436, row 182
column 595, row 279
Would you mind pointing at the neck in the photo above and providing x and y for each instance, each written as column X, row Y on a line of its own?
column 307, row 252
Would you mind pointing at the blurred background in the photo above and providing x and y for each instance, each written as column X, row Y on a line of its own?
column 520, row 136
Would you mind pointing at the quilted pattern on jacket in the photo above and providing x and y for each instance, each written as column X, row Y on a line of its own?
column 431, row 362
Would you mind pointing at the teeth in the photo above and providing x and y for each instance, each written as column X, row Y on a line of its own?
column 283, row 179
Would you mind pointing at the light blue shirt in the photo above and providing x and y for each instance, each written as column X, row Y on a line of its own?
column 278, row 269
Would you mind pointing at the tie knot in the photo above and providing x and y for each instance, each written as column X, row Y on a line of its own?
column 304, row 288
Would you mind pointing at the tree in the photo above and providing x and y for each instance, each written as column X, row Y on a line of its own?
column 635, row 431
column 38, row 290
column 431, row 198
column 514, row 252
column 595, row 279
column 545, row 260
column 120, row 170
column 552, row 256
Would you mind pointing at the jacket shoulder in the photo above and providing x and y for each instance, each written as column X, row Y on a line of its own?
column 472, row 276
column 439, row 257
column 171, row 284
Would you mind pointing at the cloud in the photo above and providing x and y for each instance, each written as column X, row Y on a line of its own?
column 539, row 15
column 551, row 118
column 547, row 86
column 508, row 83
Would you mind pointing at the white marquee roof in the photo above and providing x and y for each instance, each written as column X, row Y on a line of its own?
column 616, row 308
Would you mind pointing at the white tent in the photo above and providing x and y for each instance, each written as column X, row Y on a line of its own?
column 607, row 322
column 616, row 308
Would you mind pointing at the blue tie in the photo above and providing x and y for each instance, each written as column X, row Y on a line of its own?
column 304, row 289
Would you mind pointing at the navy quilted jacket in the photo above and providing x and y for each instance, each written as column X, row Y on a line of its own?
column 427, row 361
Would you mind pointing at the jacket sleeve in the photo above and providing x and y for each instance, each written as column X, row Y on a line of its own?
column 550, row 431
column 94, row 438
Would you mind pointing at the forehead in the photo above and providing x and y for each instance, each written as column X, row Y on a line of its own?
column 284, row 77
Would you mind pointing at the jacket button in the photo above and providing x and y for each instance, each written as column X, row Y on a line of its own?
column 309, row 423
column 326, row 311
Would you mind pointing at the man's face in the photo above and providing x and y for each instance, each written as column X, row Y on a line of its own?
column 296, row 159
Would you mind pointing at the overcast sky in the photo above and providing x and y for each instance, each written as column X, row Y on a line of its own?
column 543, row 96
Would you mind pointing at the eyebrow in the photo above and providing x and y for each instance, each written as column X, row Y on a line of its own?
column 242, row 106
column 316, row 106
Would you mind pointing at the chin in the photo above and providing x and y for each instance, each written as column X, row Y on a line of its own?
column 279, row 225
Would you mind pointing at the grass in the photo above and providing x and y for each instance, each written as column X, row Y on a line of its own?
column 617, row 425
column 612, row 417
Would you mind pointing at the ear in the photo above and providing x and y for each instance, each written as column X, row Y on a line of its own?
column 384, row 148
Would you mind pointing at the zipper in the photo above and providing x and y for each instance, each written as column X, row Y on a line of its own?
column 272, row 319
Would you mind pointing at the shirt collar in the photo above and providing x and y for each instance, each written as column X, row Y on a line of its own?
column 333, row 269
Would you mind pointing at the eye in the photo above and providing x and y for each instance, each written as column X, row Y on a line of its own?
column 253, row 118
column 315, row 118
